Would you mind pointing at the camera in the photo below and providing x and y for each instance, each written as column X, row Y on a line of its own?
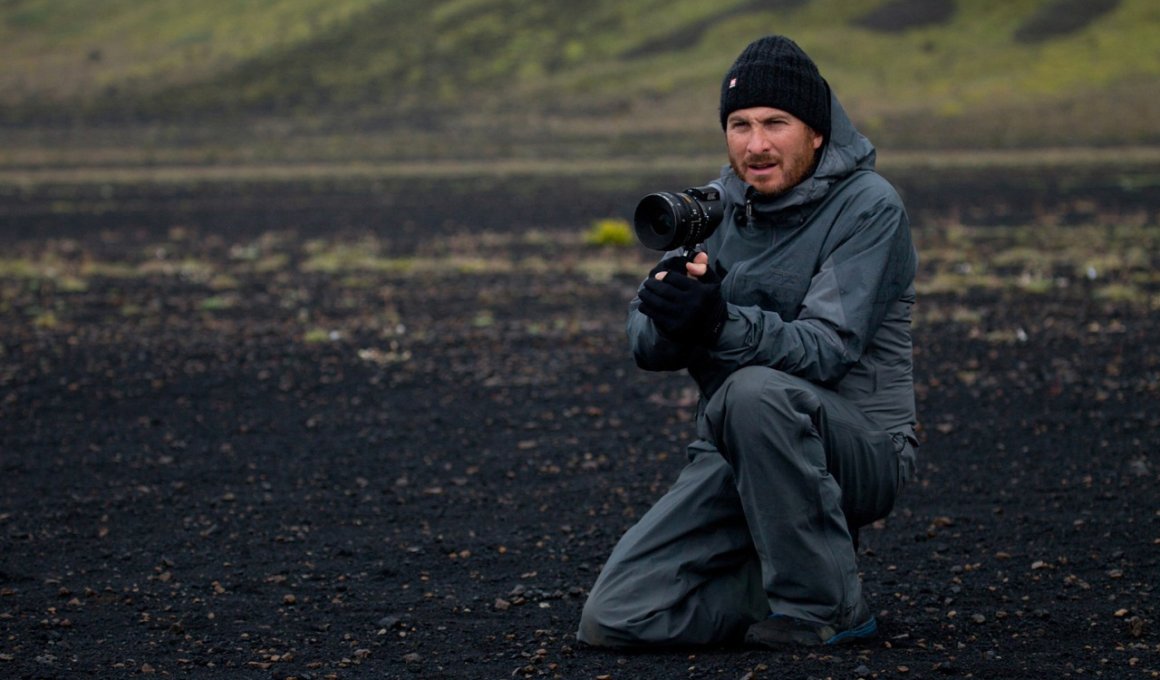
column 666, row 220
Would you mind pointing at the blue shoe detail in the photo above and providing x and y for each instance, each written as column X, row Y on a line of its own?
column 781, row 629
column 866, row 630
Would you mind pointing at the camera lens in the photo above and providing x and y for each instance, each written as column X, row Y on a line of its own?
column 667, row 220
column 658, row 218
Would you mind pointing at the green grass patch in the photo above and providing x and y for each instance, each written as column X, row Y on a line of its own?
column 610, row 232
column 1120, row 260
column 317, row 336
column 217, row 303
column 610, row 77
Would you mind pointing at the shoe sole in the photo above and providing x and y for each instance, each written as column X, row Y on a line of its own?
column 863, row 632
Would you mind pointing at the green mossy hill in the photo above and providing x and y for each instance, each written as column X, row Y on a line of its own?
column 915, row 73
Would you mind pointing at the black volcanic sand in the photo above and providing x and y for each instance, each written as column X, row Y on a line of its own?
column 283, row 432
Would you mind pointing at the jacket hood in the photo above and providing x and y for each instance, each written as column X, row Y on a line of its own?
column 845, row 151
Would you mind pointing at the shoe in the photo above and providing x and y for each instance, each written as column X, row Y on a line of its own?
column 780, row 630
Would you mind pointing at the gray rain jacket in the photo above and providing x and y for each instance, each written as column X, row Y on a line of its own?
column 819, row 283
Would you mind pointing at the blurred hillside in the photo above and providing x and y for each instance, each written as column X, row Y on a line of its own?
column 280, row 80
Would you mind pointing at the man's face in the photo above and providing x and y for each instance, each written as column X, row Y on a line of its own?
column 773, row 151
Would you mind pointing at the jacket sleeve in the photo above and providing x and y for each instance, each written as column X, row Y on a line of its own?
column 870, row 262
column 651, row 350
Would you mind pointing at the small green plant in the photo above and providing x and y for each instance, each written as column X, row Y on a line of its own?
column 316, row 336
column 484, row 319
column 45, row 320
column 217, row 303
column 609, row 232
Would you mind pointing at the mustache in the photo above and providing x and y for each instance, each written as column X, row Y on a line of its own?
column 761, row 159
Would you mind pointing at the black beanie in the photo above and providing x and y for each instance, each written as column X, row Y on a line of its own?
column 773, row 71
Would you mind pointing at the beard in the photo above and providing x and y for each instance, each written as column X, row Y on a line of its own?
column 787, row 172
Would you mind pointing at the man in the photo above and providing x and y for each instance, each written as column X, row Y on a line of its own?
column 795, row 324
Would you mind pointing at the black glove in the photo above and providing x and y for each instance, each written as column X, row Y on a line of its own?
column 685, row 309
column 675, row 263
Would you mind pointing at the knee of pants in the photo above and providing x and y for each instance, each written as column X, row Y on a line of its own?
column 755, row 398
column 762, row 388
column 597, row 628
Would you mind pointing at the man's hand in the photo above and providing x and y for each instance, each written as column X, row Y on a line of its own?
column 695, row 267
column 686, row 307
column 675, row 263
column 698, row 267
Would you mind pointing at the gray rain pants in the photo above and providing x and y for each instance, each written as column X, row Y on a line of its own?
column 759, row 520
